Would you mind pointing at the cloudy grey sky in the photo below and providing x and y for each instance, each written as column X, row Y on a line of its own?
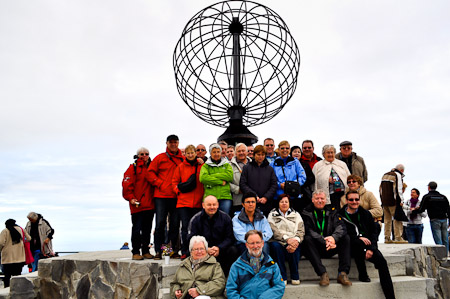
column 83, row 84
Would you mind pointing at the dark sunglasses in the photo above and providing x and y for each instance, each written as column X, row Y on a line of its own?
column 143, row 154
column 350, row 182
column 307, row 147
column 353, row 199
column 201, row 150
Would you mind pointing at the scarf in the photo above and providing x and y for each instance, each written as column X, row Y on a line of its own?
column 414, row 202
column 15, row 235
column 196, row 263
column 255, row 262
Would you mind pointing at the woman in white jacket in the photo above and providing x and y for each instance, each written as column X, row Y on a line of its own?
column 331, row 176
column 414, row 228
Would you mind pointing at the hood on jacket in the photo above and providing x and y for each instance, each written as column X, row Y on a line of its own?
column 244, row 218
column 211, row 163
column 235, row 162
column 279, row 161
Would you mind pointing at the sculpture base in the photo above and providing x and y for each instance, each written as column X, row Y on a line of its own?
column 237, row 133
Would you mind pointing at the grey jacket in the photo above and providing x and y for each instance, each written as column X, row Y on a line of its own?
column 358, row 166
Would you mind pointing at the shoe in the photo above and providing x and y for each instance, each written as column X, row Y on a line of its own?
column 343, row 279
column 137, row 257
column 157, row 256
column 183, row 257
column 324, row 279
column 295, row 282
column 388, row 241
column 148, row 256
column 364, row 279
column 401, row 241
column 175, row 255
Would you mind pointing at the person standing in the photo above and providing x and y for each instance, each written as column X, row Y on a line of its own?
column 13, row 250
column 391, row 194
column 437, row 206
column 363, row 242
column 308, row 154
column 269, row 144
column 354, row 162
column 41, row 233
column 237, row 164
column 414, row 228
column 160, row 174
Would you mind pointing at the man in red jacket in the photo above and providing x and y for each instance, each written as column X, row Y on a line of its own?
column 160, row 175
column 139, row 193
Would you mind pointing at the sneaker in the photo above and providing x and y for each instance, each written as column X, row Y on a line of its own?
column 175, row 255
column 295, row 282
column 343, row 279
column 183, row 257
column 324, row 279
column 137, row 257
column 157, row 256
column 148, row 256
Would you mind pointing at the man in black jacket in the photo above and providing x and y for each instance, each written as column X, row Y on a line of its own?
column 437, row 207
column 217, row 228
column 325, row 236
column 363, row 239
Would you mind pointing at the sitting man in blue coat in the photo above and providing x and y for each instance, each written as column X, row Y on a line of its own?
column 250, row 218
column 255, row 274
column 217, row 229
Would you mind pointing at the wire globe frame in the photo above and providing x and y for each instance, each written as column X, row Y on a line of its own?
column 269, row 63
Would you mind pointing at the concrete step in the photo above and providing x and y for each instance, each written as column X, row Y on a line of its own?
column 4, row 293
column 405, row 287
column 396, row 263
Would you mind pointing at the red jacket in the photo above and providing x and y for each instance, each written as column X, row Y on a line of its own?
column 136, row 185
column 160, row 173
column 191, row 199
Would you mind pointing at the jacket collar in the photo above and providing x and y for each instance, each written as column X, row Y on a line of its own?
column 279, row 161
column 211, row 163
column 263, row 164
column 244, row 218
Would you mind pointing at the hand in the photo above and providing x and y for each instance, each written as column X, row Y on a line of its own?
column 282, row 186
column 214, row 251
column 369, row 254
column 193, row 292
column 290, row 249
column 258, row 199
column 224, row 183
column 293, row 242
column 47, row 240
column 330, row 242
column 263, row 200
column 133, row 201
column 200, row 161
column 178, row 293
column 365, row 240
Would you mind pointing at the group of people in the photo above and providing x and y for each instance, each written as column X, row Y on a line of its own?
column 38, row 233
column 243, row 205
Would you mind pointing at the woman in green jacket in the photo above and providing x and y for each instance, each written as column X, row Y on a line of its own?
column 216, row 175
column 200, row 274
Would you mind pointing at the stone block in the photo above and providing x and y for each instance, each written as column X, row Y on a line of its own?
column 100, row 290
column 82, row 287
column 25, row 286
column 4, row 293
column 50, row 289
column 444, row 281
column 122, row 291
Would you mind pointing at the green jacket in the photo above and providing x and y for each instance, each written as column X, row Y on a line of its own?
column 212, row 176
column 208, row 279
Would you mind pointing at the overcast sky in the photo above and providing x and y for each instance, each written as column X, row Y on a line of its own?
column 83, row 84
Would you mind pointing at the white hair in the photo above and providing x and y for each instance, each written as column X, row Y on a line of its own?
column 241, row 144
column 327, row 147
column 142, row 150
column 213, row 146
column 32, row 216
column 400, row 167
column 197, row 239
column 319, row 191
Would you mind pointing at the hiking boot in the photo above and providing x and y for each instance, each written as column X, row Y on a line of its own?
column 157, row 256
column 324, row 279
column 295, row 282
column 137, row 257
column 148, row 256
column 343, row 279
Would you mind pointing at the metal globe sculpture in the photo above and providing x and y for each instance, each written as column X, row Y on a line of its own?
column 236, row 65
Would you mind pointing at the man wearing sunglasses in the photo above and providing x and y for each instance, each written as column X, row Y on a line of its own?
column 363, row 239
column 269, row 144
column 308, row 153
column 201, row 152
column 354, row 162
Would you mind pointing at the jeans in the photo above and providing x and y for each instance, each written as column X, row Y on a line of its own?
column 439, row 231
column 225, row 205
column 280, row 255
column 186, row 215
column 414, row 233
column 34, row 265
column 163, row 208
column 141, row 231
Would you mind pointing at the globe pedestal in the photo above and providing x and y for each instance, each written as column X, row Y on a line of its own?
column 237, row 133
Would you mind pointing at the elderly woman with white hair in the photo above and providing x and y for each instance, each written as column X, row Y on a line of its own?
column 200, row 275
column 216, row 175
column 331, row 176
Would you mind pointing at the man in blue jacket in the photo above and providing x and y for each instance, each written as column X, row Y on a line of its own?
column 255, row 274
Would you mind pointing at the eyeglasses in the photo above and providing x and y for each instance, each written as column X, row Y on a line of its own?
column 307, row 147
column 198, row 249
column 268, row 145
column 351, row 182
column 352, row 199
column 255, row 243
column 284, row 148
column 250, row 202
column 347, row 147
column 143, row 154
column 250, row 151
column 201, row 150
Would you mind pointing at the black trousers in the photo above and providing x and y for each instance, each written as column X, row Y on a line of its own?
column 141, row 231
column 11, row 270
column 359, row 254
column 314, row 251
column 166, row 207
column 227, row 257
